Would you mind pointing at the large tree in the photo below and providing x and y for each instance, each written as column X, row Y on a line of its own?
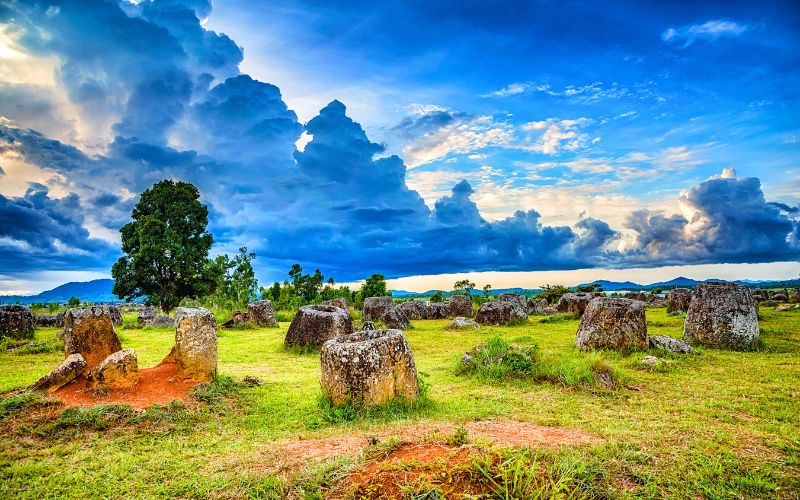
column 165, row 247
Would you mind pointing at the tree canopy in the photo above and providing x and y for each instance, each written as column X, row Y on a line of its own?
column 165, row 247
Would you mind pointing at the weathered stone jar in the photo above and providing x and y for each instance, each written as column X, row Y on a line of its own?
column 90, row 333
column 369, row 367
column 383, row 309
column 722, row 315
column 574, row 303
column 16, row 322
column 460, row 305
column 679, row 299
column 262, row 313
column 500, row 312
column 313, row 325
column 195, row 350
column 610, row 323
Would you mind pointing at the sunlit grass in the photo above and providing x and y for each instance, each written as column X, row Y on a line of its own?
column 715, row 424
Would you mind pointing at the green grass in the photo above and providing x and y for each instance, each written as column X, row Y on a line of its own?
column 716, row 424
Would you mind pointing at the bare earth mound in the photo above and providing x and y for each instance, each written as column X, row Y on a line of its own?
column 157, row 385
column 498, row 432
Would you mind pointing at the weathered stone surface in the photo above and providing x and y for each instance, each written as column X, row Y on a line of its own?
column 667, row 343
column 339, row 302
column 520, row 300
column 610, row 323
column 462, row 323
column 535, row 307
column 460, row 305
column 262, row 313
column 146, row 315
column 722, row 315
column 16, row 322
column 118, row 371
column 60, row 318
column 161, row 320
column 780, row 297
column 679, row 299
column 368, row 325
column 47, row 320
column 794, row 295
column 313, row 325
column 383, row 309
column 499, row 312
column 116, row 315
column 574, row 303
column 652, row 362
column 549, row 311
column 787, row 307
column 90, row 333
column 69, row 370
column 640, row 296
column 371, row 367
column 758, row 298
column 195, row 350
column 238, row 319
column 423, row 309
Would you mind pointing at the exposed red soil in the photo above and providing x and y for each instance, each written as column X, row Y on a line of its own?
column 157, row 385
column 498, row 432
column 408, row 465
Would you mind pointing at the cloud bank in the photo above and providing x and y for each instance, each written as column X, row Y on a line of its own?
column 154, row 95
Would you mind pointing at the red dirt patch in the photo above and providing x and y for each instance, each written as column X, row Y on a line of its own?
column 408, row 466
column 157, row 385
column 498, row 432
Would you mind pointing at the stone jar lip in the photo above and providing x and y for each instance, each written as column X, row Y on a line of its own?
column 82, row 312
column 324, row 308
column 619, row 301
column 365, row 337
column 14, row 307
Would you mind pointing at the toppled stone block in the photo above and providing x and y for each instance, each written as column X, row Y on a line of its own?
column 118, row 371
column 69, row 370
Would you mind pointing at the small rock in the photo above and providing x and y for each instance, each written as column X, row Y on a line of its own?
column 466, row 359
column 118, row 371
column 69, row 370
column 461, row 323
column 252, row 380
column 670, row 344
column 367, row 326
column 651, row 361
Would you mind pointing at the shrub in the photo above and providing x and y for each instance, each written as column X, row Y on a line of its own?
column 498, row 359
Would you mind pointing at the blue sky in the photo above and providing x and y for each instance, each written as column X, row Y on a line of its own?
column 406, row 138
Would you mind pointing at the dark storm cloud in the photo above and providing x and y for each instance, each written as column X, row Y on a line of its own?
column 40, row 232
column 178, row 108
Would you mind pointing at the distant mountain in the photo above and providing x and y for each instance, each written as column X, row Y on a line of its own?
column 100, row 290
column 86, row 291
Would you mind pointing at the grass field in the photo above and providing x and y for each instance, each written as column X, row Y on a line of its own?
column 713, row 424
